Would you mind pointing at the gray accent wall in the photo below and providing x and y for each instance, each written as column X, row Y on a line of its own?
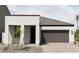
column 3, row 12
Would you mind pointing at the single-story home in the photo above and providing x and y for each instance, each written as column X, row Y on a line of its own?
column 34, row 29
column 37, row 30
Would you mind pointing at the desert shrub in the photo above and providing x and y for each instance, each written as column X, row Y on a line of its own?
column 77, row 35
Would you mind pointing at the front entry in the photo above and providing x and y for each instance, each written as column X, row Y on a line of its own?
column 15, row 34
column 32, row 37
column 29, row 34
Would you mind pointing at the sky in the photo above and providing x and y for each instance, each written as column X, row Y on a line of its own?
column 65, row 13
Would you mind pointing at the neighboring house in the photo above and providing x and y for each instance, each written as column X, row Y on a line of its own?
column 3, row 12
column 35, row 29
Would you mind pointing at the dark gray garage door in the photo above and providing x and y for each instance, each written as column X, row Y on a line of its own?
column 55, row 36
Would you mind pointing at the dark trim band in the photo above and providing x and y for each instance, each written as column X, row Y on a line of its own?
column 56, row 25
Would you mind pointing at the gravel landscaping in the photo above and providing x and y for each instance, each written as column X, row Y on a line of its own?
column 19, row 49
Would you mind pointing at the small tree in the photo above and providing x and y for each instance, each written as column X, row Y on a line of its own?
column 77, row 18
column 77, row 31
column 77, row 35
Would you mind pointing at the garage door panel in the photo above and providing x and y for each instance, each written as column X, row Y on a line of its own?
column 56, row 36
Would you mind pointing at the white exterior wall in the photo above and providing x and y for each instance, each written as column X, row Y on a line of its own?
column 70, row 28
column 21, row 20
column 22, row 35
column 38, row 34
column 3, row 37
column 11, row 34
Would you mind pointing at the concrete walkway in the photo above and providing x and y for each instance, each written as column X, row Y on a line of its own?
column 60, row 48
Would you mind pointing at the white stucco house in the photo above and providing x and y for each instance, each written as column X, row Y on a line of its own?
column 35, row 29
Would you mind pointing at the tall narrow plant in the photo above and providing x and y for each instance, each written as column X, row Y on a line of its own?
column 77, row 18
column 77, row 31
column 17, row 32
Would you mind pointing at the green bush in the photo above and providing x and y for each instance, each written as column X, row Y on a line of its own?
column 77, row 35
column 17, row 32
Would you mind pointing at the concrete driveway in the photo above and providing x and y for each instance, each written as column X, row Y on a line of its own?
column 60, row 48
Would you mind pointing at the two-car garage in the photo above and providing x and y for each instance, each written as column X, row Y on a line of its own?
column 54, row 31
column 56, row 36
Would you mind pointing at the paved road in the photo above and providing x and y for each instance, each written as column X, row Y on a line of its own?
column 60, row 48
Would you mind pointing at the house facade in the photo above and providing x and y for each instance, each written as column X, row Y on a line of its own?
column 35, row 29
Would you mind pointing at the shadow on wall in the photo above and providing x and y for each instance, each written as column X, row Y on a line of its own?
column 42, row 41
